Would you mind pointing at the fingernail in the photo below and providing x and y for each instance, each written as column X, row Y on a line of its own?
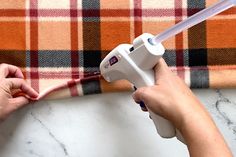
column 33, row 99
column 22, row 76
column 35, row 95
column 142, row 105
column 137, row 102
column 144, row 109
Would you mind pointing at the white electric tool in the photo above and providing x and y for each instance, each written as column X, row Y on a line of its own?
column 135, row 62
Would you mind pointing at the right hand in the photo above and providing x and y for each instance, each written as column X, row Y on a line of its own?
column 170, row 97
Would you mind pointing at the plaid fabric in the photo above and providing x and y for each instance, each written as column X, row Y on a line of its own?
column 59, row 44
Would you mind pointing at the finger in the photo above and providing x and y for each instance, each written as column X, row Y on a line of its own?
column 10, row 70
column 15, row 83
column 139, row 95
column 17, row 103
column 161, row 69
column 136, row 97
column 144, row 109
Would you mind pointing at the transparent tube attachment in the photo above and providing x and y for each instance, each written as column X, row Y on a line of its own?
column 193, row 20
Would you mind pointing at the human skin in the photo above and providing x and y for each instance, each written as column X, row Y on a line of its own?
column 171, row 98
column 11, row 78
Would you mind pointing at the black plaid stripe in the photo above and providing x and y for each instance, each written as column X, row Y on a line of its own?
column 170, row 57
column 91, row 44
column 197, row 38
column 194, row 4
column 197, row 49
column 199, row 78
column 91, row 25
column 91, row 34
column 91, row 58
column 91, row 86
column 54, row 59
column 198, row 57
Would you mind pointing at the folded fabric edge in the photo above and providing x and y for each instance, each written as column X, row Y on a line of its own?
column 216, row 77
column 56, row 92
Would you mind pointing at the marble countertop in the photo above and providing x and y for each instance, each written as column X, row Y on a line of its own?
column 106, row 125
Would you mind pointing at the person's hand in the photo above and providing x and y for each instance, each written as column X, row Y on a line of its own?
column 170, row 97
column 11, row 78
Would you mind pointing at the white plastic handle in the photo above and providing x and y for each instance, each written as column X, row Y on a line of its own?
column 193, row 20
column 144, row 57
column 164, row 127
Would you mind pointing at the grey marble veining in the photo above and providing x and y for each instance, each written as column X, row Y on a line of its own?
column 103, row 125
column 222, row 106
column 227, row 111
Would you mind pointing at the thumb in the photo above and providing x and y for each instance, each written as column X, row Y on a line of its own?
column 17, row 103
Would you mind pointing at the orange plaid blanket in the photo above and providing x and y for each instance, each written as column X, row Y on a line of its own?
column 60, row 44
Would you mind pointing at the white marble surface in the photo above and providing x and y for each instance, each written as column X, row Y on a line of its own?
column 106, row 125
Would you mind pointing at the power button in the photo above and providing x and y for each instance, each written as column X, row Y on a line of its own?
column 113, row 60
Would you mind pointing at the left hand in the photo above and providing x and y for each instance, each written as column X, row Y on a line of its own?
column 11, row 78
